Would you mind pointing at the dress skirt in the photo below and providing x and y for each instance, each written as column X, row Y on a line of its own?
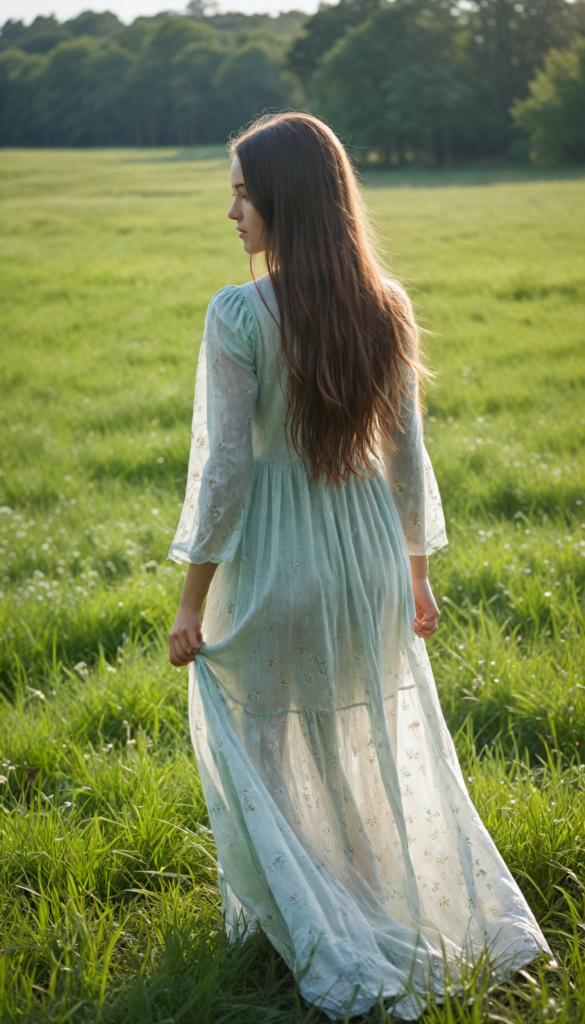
column 343, row 824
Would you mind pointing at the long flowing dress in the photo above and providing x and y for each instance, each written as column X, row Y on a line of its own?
column 343, row 825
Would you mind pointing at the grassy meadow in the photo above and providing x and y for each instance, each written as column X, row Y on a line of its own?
column 109, row 909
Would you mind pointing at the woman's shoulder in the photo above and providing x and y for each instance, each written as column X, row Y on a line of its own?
column 398, row 291
column 231, row 299
column 230, row 305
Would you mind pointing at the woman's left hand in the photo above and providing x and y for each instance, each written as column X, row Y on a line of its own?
column 185, row 638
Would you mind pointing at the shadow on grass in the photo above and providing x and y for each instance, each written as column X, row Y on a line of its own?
column 250, row 984
column 210, row 981
column 185, row 153
column 466, row 175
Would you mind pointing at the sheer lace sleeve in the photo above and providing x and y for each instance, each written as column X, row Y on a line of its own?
column 412, row 481
column 221, row 461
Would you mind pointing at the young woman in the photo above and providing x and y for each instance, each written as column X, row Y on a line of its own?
column 343, row 826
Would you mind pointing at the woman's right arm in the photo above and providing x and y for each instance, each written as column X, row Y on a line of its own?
column 427, row 611
column 412, row 482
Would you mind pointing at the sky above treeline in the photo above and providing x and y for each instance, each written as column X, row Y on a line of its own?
column 128, row 10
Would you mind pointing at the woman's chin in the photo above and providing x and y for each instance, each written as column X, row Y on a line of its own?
column 250, row 249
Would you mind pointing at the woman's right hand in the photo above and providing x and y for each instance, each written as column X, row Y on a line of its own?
column 427, row 612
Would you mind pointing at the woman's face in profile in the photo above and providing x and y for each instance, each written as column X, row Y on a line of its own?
column 249, row 223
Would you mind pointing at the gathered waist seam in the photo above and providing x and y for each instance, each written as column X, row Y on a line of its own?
column 270, row 462
column 295, row 462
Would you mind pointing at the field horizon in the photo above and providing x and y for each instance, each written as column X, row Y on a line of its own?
column 109, row 902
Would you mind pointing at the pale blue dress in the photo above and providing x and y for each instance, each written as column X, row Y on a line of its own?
column 343, row 826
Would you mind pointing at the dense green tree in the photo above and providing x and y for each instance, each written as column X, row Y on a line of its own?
column 506, row 40
column 554, row 114
column 285, row 25
column 82, row 94
column 20, row 123
column 136, row 36
column 100, row 26
column 162, row 80
column 43, row 35
column 392, row 80
column 248, row 82
column 62, row 98
column 108, row 71
column 155, row 114
column 10, row 33
column 322, row 31
column 201, row 8
column 197, row 113
column 391, row 84
column 414, row 79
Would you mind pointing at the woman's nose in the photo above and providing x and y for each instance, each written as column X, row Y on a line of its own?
column 234, row 214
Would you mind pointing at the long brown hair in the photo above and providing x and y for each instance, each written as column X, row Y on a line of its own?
column 347, row 332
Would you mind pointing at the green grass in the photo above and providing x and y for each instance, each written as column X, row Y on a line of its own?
column 109, row 905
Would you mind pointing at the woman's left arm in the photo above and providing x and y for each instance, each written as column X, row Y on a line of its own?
column 221, row 464
column 186, row 637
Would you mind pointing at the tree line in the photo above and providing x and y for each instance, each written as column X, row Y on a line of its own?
column 429, row 80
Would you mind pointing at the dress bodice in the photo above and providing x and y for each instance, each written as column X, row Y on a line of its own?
column 239, row 420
